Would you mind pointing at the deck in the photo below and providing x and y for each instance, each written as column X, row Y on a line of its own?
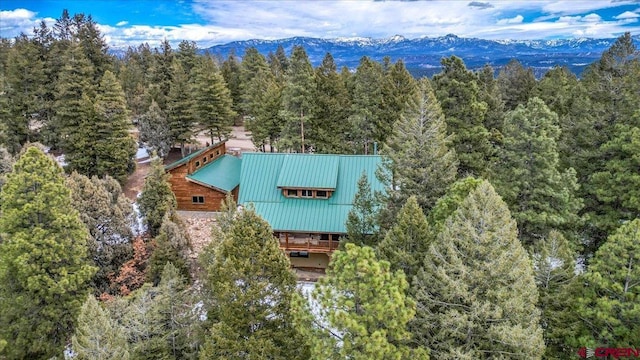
column 311, row 244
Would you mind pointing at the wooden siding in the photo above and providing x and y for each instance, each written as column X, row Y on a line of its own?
column 185, row 190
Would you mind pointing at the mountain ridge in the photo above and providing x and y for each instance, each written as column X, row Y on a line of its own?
column 422, row 55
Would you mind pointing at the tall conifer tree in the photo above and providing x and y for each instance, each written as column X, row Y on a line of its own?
column 528, row 176
column 156, row 199
column 362, row 310
column 422, row 164
column 43, row 259
column 608, row 305
column 457, row 90
column 407, row 242
column 297, row 101
column 113, row 147
column 250, row 297
column 329, row 124
column 212, row 101
column 476, row 293
column 97, row 336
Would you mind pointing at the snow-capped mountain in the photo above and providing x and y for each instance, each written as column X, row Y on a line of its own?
column 422, row 55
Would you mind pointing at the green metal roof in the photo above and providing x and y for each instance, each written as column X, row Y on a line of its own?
column 309, row 171
column 223, row 173
column 262, row 173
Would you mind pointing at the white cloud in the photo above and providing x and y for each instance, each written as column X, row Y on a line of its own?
column 516, row 20
column 230, row 20
column 13, row 22
column 627, row 15
column 592, row 18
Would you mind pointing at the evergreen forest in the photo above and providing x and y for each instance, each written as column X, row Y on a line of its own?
column 510, row 228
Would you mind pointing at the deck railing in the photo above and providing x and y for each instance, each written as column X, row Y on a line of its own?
column 311, row 245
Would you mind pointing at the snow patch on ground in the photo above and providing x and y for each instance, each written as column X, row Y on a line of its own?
column 138, row 227
column 142, row 153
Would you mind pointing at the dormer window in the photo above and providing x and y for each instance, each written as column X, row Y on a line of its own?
column 307, row 193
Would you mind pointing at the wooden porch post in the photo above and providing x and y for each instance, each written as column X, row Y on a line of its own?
column 286, row 240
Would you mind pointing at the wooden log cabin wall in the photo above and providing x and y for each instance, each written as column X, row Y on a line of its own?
column 192, row 194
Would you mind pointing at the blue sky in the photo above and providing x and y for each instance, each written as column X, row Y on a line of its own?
column 211, row 22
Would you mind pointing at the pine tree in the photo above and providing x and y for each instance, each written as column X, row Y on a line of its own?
column 114, row 149
column 230, row 71
column 366, row 102
column 156, row 198
column 608, row 305
column 162, row 73
column 554, row 270
column 108, row 216
column 450, row 201
column 458, row 93
column 187, row 55
column 74, row 111
column 93, row 45
column 179, row 114
column 362, row 310
column 489, row 93
column 6, row 164
column 399, row 90
column 250, row 296
column 528, row 177
column 613, row 88
column 97, row 336
column 43, row 259
column 476, row 293
column 328, row 126
column 406, row 243
column 155, row 131
column 422, row 164
column 297, row 101
column 212, row 101
column 173, row 307
column 261, row 95
column 516, row 84
column 172, row 246
column 567, row 97
column 144, row 326
column 616, row 186
column 24, row 83
column 361, row 219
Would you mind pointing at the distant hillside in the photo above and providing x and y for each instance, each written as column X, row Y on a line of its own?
column 422, row 56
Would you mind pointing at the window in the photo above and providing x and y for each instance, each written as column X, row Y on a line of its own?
column 321, row 194
column 307, row 193
column 292, row 193
column 197, row 199
column 197, row 163
column 335, row 237
column 204, row 160
column 217, row 152
column 210, row 156
column 324, row 237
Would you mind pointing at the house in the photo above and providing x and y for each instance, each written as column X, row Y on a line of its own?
column 305, row 198
column 202, row 180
